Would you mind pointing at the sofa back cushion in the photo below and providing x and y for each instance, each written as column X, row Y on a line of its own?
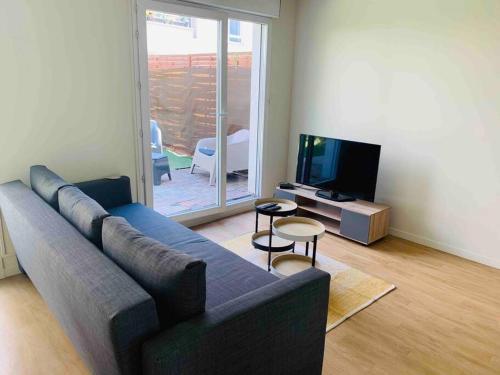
column 176, row 281
column 83, row 212
column 46, row 184
column 109, row 192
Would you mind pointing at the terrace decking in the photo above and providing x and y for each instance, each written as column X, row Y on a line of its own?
column 191, row 192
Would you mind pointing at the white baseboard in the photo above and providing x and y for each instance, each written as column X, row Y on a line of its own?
column 231, row 211
column 467, row 254
column 10, row 267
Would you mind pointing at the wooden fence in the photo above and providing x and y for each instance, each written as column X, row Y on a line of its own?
column 183, row 96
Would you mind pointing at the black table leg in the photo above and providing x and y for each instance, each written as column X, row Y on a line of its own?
column 270, row 243
column 307, row 249
column 314, row 250
column 256, row 222
column 293, row 248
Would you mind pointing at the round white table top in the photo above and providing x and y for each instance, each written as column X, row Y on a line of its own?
column 299, row 229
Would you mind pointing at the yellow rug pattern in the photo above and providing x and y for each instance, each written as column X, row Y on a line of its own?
column 350, row 289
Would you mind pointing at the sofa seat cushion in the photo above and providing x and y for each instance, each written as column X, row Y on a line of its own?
column 228, row 275
column 176, row 281
column 83, row 212
column 46, row 184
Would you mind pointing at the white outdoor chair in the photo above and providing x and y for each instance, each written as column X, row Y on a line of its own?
column 237, row 154
column 156, row 139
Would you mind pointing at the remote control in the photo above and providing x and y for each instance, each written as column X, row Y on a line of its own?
column 267, row 206
column 274, row 208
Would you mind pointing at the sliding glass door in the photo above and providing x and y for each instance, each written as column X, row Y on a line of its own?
column 201, row 85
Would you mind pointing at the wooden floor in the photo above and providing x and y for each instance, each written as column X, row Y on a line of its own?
column 444, row 318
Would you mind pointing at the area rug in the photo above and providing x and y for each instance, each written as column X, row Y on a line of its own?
column 350, row 289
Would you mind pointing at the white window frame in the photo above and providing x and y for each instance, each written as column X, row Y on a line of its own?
column 176, row 25
column 143, row 136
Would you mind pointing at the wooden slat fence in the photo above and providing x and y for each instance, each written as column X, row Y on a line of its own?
column 183, row 96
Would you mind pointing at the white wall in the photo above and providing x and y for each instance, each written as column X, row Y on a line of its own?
column 67, row 90
column 268, row 8
column 282, row 43
column 66, row 95
column 421, row 78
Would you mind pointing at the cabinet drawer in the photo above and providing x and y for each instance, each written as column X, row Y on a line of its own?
column 355, row 226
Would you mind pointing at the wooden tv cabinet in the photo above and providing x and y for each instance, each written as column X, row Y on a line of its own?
column 361, row 221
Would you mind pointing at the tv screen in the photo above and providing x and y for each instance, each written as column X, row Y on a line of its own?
column 345, row 167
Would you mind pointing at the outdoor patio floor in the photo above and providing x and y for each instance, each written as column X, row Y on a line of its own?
column 191, row 192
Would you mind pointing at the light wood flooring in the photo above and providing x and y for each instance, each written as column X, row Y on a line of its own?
column 444, row 318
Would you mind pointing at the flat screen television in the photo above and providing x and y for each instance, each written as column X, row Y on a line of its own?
column 345, row 167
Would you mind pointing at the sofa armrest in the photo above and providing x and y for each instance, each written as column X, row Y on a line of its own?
column 108, row 192
column 276, row 329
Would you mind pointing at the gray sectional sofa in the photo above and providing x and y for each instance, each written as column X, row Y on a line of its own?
column 238, row 319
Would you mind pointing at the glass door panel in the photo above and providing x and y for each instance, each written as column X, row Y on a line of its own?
column 202, row 76
column 243, row 109
column 182, row 63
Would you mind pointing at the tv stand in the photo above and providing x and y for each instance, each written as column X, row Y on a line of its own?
column 361, row 221
column 334, row 196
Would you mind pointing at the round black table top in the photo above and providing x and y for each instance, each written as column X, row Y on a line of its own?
column 260, row 241
column 287, row 207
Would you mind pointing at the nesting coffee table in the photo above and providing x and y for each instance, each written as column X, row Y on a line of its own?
column 283, row 233
column 265, row 240
column 297, row 229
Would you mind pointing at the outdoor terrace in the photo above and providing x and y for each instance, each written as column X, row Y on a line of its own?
column 190, row 192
